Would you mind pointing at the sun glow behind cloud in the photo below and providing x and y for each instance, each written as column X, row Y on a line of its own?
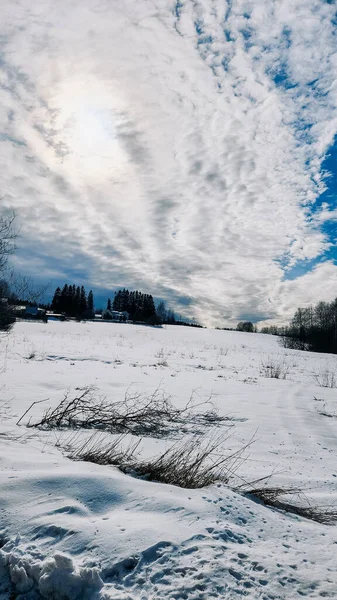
column 87, row 121
column 176, row 147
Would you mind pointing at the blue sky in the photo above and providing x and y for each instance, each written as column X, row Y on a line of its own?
column 327, row 200
column 185, row 148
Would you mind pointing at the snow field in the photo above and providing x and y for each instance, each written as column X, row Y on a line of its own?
column 78, row 530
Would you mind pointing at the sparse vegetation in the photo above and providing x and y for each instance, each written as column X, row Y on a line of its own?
column 275, row 368
column 137, row 414
column 326, row 413
column 276, row 497
column 162, row 363
column 97, row 449
column 194, row 463
column 326, row 378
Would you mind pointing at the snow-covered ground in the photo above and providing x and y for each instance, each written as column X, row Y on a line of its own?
column 73, row 530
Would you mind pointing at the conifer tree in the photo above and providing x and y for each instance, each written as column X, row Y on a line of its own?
column 91, row 303
column 83, row 301
column 73, row 300
column 64, row 301
column 116, row 302
column 77, row 303
column 56, row 301
column 139, row 306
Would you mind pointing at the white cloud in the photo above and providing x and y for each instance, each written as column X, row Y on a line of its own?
column 147, row 144
column 307, row 290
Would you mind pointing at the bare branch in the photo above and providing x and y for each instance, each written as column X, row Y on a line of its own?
column 31, row 406
column 137, row 414
column 7, row 237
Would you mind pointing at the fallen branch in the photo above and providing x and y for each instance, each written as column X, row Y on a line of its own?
column 31, row 406
column 137, row 414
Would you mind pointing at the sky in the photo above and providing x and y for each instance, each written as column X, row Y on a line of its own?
column 184, row 148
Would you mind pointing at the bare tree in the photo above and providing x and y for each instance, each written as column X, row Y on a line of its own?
column 14, row 286
column 7, row 237
column 24, row 288
column 7, row 247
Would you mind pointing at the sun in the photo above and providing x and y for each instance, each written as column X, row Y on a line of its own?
column 87, row 119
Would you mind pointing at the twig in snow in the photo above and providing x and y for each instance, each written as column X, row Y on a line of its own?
column 31, row 406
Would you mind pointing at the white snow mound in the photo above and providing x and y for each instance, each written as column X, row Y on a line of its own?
column 55, row 578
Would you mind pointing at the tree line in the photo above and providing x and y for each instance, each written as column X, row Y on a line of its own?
column 139, row 306
column 313, row 328
column 73, row 301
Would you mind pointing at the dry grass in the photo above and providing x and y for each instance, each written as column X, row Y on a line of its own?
column 161, row 363
column 97, row 449
column 292, row 500
column 275, row 368
column 195, row 463
column 326, row 378
column 326, row 413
